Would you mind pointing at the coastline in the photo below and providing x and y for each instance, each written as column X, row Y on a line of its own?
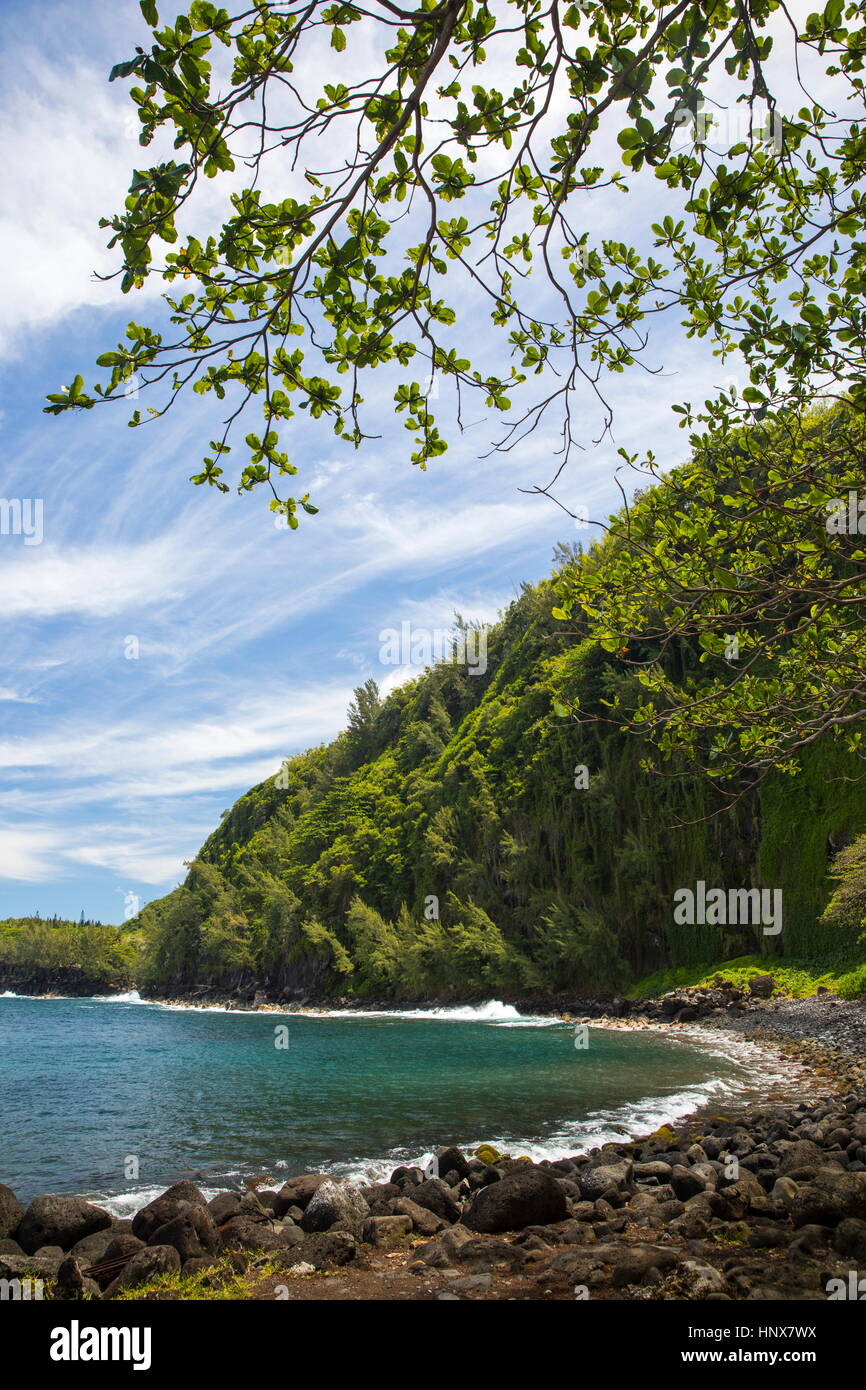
column 795, row 1048
column 659, row 1215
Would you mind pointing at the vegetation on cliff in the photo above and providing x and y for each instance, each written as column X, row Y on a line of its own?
column 523, row 825
column 54, row 950
column 510, row 832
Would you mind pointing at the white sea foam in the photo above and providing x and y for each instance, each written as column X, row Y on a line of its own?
column 42, row 998
column 493, row 1011
column 124, row 1205
column 220, row 1009
column 618, row 1124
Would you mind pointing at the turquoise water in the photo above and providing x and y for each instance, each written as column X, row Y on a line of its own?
column 87, row 1084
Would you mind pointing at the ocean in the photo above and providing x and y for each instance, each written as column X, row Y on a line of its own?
column 114, row 1099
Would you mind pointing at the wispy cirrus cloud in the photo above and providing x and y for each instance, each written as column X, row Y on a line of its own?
column 249, row 640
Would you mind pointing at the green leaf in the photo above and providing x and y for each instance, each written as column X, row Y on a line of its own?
column 124, row 69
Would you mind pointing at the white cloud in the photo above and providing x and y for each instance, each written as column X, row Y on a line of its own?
column 67, row 156
column 28, row 856
column 94, row 581
column 131, row 859
column 173, row 766
column 159, row 756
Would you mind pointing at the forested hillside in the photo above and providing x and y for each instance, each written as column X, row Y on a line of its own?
column 523, row 824
column 53, row 955
column 458, row 793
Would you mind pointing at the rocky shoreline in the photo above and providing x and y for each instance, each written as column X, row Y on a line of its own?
column 769, row 1204
column 57, row 981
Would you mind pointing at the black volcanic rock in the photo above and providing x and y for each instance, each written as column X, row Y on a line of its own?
column 528, row 1197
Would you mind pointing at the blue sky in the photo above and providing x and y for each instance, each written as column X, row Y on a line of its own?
column 250, row 639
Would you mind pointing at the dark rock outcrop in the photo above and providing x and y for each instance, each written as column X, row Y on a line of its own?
column 59, row 1221
column 527, row 1197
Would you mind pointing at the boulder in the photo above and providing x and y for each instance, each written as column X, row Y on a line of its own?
column 154, row 1215
column 145, row 1265
column 333, row 1202
column 441, row 1252
column 437, row 1197
column 380, row 1197
column 122, row 1246
column 200, row 1265
column 24, row 1266
column 849, row 1238
column 184, row 1191
column 11, row 1212
column 604, row 1179
column 527, row 1197
column 629, row 1264
column 193, row 1233
column 809, row 1240
column 252, row 1205
column 323, row 1250
column 291, row 1235
column 224, row 1206
column 783, row 1192
column 658, row 1170
column 242, row 1233
column 59, row 1221
column 452, row 1160
column 707, row 1173
column 701, row 1278
column 91, row 1249
column 297, row 1192
column 632, row 1263
column 802, row 1154
column 387, row 1230
column 407, row 1177
column 424, row 1221
column 746, row 1194
column 488, row 1255
column 831, row 1198
column 70, row 1284
column 51, row 1252
column 469, row 1283
column 686, row 1182
column 762, row 986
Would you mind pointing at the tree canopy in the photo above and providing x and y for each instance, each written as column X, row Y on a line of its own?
column 734, row 589
column 394, row 173
column 463, row 854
